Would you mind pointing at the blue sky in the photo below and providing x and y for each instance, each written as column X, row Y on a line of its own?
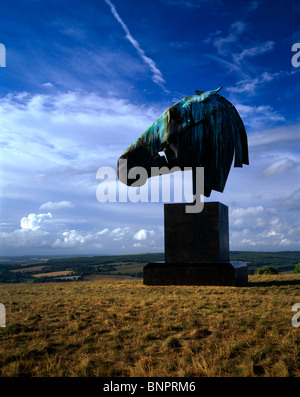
column 83, row 79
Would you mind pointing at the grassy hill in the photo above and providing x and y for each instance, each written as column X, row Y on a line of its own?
column 124, row 328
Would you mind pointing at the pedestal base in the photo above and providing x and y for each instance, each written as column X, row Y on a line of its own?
column 218, row 273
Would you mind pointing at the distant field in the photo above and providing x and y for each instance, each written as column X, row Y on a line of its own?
column 129, row 268
column 99, row 277
column 38, row 269
column 29, row 269
column 124, row 328
column 52, row 274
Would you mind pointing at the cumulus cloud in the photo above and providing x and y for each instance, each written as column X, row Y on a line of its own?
column 41, row 231
column 56, row 205
column 34, row 221
column 238, row 215
column 120, row 233
column 48, row 84
column 73, row 238
column 25, row 239
column 266, row 229
column 102, row 232
column 143, row 234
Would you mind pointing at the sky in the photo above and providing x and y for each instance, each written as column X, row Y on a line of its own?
column 83, row 79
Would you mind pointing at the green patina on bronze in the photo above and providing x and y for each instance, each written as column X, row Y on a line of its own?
column 202, row 130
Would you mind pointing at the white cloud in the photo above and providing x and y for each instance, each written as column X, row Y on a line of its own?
column 25, row 239
column 257, row 117
column 237, row 53
column 55, row 142
column 53, row 146
column 120, row 233
column 223, row 43
column 63, row 123
column 264, row 228
column 274, row 138
column 37, row 232
column 34, row 221
column 251, row 84
column 57, row 205
column 293, row 201
column 73, row 238
column 279, row 167
column 47, row 85
column 272, row 233
column 259, row 222
column 259, row 49
column 233, row 50
column 143, row 234
column 102, row 232
column 248, row 242
column 242, row 212
column 247, row 216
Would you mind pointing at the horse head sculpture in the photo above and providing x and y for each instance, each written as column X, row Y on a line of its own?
column 202, row 130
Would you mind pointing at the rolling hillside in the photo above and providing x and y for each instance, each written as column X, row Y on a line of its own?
column 41, row 269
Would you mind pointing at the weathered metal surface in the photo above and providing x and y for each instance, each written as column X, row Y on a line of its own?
column 202, row 130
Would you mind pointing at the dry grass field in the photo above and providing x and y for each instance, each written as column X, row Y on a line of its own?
column 53, row 274
column 123, row 328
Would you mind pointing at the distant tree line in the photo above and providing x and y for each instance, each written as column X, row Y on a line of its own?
column 258, row 263
column 280, row 261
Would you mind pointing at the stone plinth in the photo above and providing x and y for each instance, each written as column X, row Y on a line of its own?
column 196, row 249
column 214, row 273
column 198, row 237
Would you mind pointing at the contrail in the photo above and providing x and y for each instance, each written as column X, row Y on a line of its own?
column 157, row 76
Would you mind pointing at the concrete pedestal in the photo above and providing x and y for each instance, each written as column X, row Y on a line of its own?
column 196, row 249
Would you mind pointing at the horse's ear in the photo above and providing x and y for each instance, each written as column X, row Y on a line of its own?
column 207, row 94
